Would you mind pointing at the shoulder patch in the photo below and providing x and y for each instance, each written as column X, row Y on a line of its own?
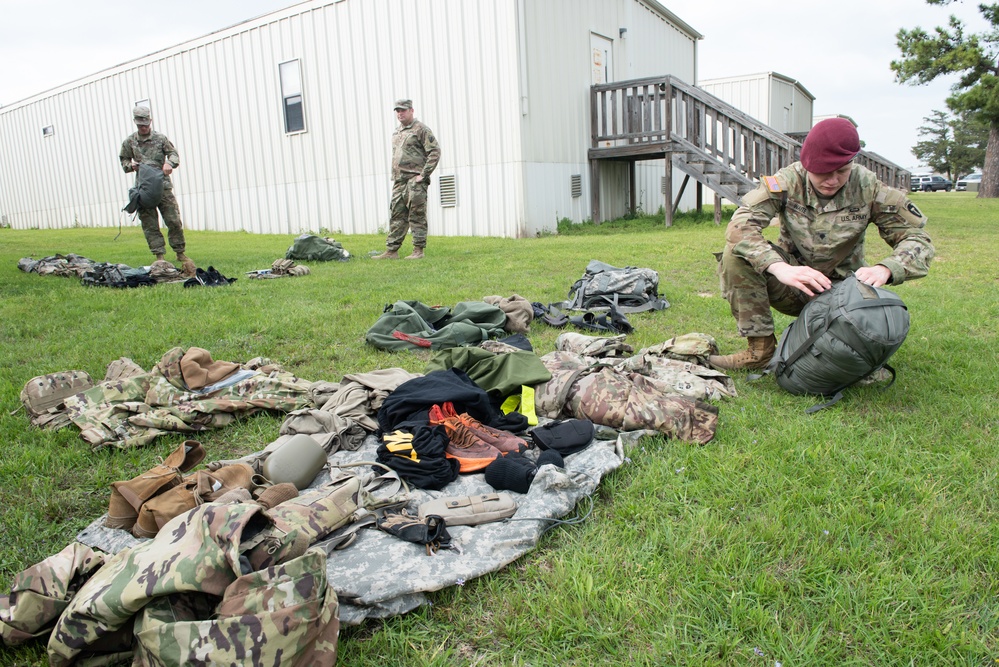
column 772, row 184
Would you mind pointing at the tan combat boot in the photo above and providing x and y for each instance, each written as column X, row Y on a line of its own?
column 417, row 254
column 388, row 254
column 128, row 497
column 159, row 257
column 188, row 267
column 758, row 355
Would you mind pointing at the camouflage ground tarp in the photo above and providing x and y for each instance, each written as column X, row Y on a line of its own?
column 380, row 576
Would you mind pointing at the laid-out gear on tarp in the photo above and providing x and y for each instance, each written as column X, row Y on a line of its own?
column 841, row 336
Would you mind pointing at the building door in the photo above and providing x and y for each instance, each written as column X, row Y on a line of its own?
column 601, row 64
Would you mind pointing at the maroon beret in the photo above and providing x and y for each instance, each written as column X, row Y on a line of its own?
column 830, row 145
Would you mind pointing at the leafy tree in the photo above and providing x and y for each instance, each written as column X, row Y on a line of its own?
column 973, row 57
column 954, row 146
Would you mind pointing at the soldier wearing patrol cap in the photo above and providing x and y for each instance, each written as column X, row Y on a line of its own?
column 415, row 154
column 155, row 149
column 824, row 204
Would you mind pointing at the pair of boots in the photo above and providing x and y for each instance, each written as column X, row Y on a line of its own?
column 473, row 444
column 145, row 503
column 757, row 355
column 187, row 266
column 394, row 254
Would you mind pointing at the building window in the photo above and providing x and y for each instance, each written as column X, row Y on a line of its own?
column 48, row 131
column 291, row 95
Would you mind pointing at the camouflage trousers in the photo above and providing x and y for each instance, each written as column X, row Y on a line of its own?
column 408, row 211
column 150, row 220
column 751, row 295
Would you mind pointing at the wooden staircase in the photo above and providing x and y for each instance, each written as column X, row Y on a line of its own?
column 706, row 138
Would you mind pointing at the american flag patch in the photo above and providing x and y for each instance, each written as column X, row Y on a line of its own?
column 772, row 184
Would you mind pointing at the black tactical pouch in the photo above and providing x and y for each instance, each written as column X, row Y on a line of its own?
column 566, row 436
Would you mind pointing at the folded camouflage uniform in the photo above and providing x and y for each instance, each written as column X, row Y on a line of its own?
column 193, row 601
column 40, row 594
column 623, row 399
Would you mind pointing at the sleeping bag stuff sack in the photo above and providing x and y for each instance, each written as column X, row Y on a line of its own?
column 841, row 336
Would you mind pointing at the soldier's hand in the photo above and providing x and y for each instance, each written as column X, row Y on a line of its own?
column 135, row 165
column 167, row 168
column 875, row 276
column 804, row 278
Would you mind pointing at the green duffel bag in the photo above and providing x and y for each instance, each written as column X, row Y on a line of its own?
column 841, row 336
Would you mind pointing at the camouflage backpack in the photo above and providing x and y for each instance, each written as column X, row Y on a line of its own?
column 627, row 290
column 44, row 397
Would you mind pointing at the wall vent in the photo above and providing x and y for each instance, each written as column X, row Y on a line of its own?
column 576, row 185
column 662, row 185
column 449, row 191
column 48, row 131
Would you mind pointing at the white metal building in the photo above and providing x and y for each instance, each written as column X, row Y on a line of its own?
column 283, row 122
column 779, row 101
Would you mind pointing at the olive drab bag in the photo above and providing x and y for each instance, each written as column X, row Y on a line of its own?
column 840, row 337
column 627, row 290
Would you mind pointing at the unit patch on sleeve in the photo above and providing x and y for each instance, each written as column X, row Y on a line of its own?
column 772, row 184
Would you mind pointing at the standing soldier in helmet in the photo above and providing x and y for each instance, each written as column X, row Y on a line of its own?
column 147, row 147
column 415, row 155
column 824, row 204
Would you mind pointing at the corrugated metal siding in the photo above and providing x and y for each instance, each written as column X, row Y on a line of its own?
column 556, row 132
column 218, row 99
column 749, row 94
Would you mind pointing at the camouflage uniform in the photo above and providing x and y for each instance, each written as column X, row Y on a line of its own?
column 415, row 152
column 155, row 149
column 814, row 232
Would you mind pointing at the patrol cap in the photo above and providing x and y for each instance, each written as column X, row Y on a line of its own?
column 142, row 115
column 830, row 145
column 403, row 104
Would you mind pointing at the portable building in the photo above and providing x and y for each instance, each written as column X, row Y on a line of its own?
column 777, row 100
column 283, row 123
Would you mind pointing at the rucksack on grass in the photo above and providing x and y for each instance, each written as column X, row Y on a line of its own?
column 628, row 290
column 840, row 337
column 43, row 397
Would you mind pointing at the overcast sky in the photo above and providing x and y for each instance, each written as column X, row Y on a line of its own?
column 839, row 51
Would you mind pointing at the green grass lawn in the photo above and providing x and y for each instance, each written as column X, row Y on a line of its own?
column 865, row 534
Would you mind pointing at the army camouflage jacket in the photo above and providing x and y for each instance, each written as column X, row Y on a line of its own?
column 415, row 152
column 820, row 233
column 154, row 149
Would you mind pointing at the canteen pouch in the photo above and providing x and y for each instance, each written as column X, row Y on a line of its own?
column 566, row 436
column 470, row 510
column 298, row 461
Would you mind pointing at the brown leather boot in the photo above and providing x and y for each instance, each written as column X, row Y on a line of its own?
column 159, row 257
column 388, row 254
column 187, row 266
column 417, row 254
column 200, row 487
column 128, row 497
column 757, row 355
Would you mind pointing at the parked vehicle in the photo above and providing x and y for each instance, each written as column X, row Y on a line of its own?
column 923, row 183
column 969, row 182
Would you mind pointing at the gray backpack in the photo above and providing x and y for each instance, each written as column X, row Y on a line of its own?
column 840, row 337
column 627, row 290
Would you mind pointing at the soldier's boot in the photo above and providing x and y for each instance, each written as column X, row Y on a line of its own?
column 201, row 487
column 417, row 254
column 159, row 256
column 388, row 254
column 188, row 267
column 128, row 497
column 758, row 354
